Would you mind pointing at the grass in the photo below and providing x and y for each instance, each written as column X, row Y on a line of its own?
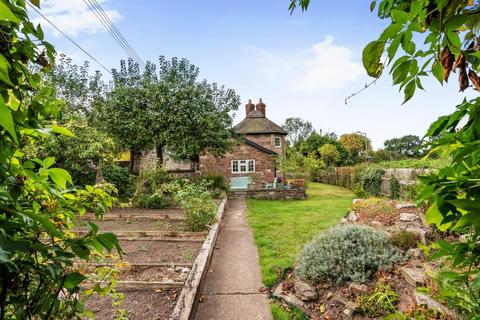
column 279, row 313
column 281, row 228
column 416, row 163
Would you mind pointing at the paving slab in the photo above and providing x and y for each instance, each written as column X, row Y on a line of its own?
column 233, row 283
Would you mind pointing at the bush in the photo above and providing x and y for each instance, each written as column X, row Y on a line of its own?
column 347, row 253
column 197, row 202
column 367, row 180
column 410, row 191
column 121, row 178
column 394, row 188
column 149, row 189
column 405, row 239
column 153, row 201
column 215, row 183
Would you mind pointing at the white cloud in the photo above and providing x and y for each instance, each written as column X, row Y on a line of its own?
column 74, row 17
column 324, row 66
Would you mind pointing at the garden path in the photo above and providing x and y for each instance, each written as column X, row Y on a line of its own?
column 233, row 287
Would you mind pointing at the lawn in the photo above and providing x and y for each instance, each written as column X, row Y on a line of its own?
column 282, row 228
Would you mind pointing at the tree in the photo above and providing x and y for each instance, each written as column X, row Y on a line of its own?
column 312, row 144
column 37, row 203
column 407, row 146
column 423, row 38
column 298, row 130
column 356, row 144
column 329, row 154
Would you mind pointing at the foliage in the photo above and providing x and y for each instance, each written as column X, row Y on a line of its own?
column 292, row 313
column 404, row 239
column 121, row 179
column 394, row 188
column 329, row 154
column 171, row 110
column 407, row 146
column 410, row 191
column 367, row 180
column 298, row 130
column 149, row 191
column 312, row 144
column 282, row 227
column 425, row 163
column 37, row 204
column 347, row 253
column 215, row 183
column 356, row 144
column 312, row 167
column 381, row 302
column 81, row 155
column 197, row 202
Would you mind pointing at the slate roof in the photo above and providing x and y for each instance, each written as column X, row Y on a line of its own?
column 259, row 147
column 257, row 123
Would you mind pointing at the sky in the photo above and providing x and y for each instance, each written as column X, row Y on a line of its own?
column 302, row 65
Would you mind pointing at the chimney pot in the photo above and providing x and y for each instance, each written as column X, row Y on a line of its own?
column 249, row 107
column 261, row 106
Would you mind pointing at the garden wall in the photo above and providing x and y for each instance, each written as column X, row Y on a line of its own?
column 274, row 194
column 343, row 176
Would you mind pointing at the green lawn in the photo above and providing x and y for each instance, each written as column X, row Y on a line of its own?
column 282, row 228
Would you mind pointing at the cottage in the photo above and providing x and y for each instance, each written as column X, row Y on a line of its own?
column 254, row 152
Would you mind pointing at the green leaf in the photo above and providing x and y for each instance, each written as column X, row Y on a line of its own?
column 48, row 162
column 36, row 3
column 62, row 130
column 437, row 71
column 60, row 177
column 455, row 22
column 391, row 31
column 4, row 67
column 73, row 280
column 392, row 49
column 49, row 226
column 466, row 204
column 399, row 16
column 372, row 5
column 6, row 119
column 371, row 58
column 415, row 9
column 409, row 90
column 434, row 216
column 109, row 240
column 6, row 13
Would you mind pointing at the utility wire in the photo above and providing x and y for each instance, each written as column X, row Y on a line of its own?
column 115, row 29
column 70, row 39
column 114, row 32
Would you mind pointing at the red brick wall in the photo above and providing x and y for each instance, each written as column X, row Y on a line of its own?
column 267, row 141
column 264, row 164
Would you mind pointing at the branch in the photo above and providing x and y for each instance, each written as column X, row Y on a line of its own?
column 360, row 91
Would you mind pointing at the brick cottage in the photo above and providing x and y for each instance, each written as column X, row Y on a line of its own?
column 254, row 152
column 260, row 141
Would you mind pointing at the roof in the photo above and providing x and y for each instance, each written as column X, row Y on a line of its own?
column 259, row 147
column 257, row 123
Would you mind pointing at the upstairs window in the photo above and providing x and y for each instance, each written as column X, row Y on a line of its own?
column 243, row 166
column 277, row 142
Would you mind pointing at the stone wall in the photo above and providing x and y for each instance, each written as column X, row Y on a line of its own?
column 149, row 158
column 264, row 164
column 273, row 194
column 268, row 141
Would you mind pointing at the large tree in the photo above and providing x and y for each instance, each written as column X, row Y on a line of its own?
column 407, row 146
column 312, row 144
column 298, row 130
column 356, row 144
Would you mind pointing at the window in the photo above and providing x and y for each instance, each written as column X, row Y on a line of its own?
column 243, row 166
column 277, row 142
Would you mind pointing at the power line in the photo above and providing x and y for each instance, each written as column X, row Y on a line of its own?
column 70, row 39
column 115, row 29
column 114, row 32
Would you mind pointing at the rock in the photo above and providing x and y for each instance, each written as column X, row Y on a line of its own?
column 400, row 206
column 329, row 296
column 408, row 217
column 425, row 301
column 376, row 224
column 415, row 253
column 421, row 233
column 356, row 200
column 347, row 303
column 185, row 270
column 305, row 291
column 291, row 299
column 415, row 277
column 178, row 269
column 352, row 216
column 344, row 221
column 348, row 313
column 357, row 288
column 168, row 281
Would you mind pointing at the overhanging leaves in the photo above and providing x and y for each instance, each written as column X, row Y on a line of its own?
column 371, row 56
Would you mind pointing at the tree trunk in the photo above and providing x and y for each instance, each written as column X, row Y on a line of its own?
column 159, row 154
column 132, row 159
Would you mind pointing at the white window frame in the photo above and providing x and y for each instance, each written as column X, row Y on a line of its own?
column 275, row 141
column 243, row 163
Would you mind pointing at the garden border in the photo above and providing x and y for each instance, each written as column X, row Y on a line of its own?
column 187, row 303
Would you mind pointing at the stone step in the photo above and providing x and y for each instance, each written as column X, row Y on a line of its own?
column 414, row 276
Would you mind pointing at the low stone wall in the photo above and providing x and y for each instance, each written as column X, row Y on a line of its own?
column 275, row 194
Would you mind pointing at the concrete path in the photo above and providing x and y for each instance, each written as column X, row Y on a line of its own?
column 232, row 287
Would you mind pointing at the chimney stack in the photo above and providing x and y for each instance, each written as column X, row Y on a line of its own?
column 261, row 106
column 249, row 107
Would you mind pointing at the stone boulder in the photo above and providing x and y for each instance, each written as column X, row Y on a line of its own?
column 305, row 291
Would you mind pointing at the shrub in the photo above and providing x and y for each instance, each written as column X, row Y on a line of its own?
column 394, row 188
column 121, row 178
column 405, row 239
column 197, row 202
column 156, row 200
column 410, row 191
column 367, row 180
column 347, row 253
column 381, row 302
column 149, row 189
column 215, row 183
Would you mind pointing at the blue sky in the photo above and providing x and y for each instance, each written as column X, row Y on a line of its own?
column 302, row 65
